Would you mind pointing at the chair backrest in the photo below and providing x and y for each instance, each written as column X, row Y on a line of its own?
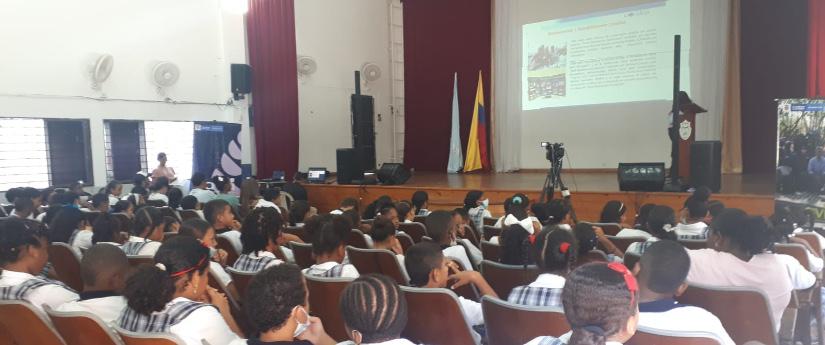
column 66, row 264
column 745, row 312
column 448, row 328
column 490, row 232
column 490, row 221
column 299, row 231
column 610, row 229
column 694, row 244
column 125, row 222
column 647, row 336
column 812, row 240
column 420, row 219
column 414, row 229
column 323, row 303
column 91, row 216
column 356, row 239
column 167, row 211
column 27, row 325
column 630, row 260
column 303, row 254
column 509, row 323
column 798, row 251
column 471, row 235
column 132, row 338
column 80, row 328
column 623, row 242
column 490, row 251
column 225, row 244
column 169, row 235
column 405, row 240
column 503, row 278
column 367, row 221
column 188, row 214
column 137, row 260
column 241, row 281
column 380, row 261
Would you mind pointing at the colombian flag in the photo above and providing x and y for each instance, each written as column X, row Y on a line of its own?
column 477, row 143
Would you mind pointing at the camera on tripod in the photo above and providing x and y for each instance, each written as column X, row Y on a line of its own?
column 555, row 151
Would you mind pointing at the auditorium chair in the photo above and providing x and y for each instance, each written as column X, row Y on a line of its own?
column 623, row 242
column 490, row 221
column 241, row 281
column 26, row 325
column 503, row 278
column 466, row 247
column 471, row 235
column 812, row 240
column 131, row 338
column 610, row 229
column 448, row 328
column 490, row 251
column 232, row 294
column 82, row 328
column 809, row 299
column 509, row 323
column 303, row 254
column 380, row 261
column 468, row 291
column 188, row 214
column 745, row 312
column 324, row 294
column 405, row 240
column 694, row 244
column 66, row 265
column 298, row 231
column 420, row 219
column 490, row 232
column 651, row 336
column 166, row 211
column 415, row 230
column 226, row 245
column 138, row 260
column 356, row 239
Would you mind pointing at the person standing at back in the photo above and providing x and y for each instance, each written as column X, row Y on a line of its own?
column 162, row 170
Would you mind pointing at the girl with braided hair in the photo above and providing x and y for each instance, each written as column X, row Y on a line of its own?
column 555, row 252
column 147, row 232
column 374, row 311
column 259, row 235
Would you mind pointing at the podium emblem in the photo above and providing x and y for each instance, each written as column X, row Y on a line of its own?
column 684, row 130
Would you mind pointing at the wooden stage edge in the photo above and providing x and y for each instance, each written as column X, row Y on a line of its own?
column 589, row 194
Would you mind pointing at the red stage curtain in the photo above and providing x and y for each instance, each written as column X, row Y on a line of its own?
column 816, row 48
column 442, row 37
column 272, row 55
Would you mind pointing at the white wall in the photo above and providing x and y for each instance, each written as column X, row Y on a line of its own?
column 341, row 36
column 49, row 43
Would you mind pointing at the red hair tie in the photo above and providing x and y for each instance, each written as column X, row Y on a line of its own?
column 564, row 247
column 532, row 239
column 629, row 279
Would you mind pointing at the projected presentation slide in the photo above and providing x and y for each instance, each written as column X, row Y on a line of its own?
column 613, row 56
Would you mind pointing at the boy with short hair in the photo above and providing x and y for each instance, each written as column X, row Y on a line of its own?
column 694, row 226
column 199, row 188
column 104, row 268
column 218, row 213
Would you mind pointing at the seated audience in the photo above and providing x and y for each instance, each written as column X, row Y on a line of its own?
column 104, row 268
column 559, row 214
column 278, row 309
column 442, row 229
column 588, row 236
column 270, row 197
column 190, row 202
column 660, row 222
column 159, row 189
column 220, row 215
column 329, row 241
column 140, row 187
column 124, row 206
column 374, row 311
column 355, row 220
column 661, row 273
column 518, row 206
column 147, row 232
column 106, row 229
column 100, row 203
column 23, row 255
column 173, row 296
column 784, row 233
column 300, row 212
column 613, row 212
column 223, row 185
column 641, row 216
column 405, row 214
column 420, row 202
column 600, row 304
column 175, row 196
column 259, row 236
column 200, row 188
column 476, row 207
column 693, row 227
column 205, row 233
column 69, row 226
column 346, row 205
column 170, row 224
column 715, row 207
column 541, row 211
column 515, row 243
column 24, row 208
column 383, row 237
column 389, row 212
column 555, row 253
column 462, row 221
column 114, row 190
column 372, row 209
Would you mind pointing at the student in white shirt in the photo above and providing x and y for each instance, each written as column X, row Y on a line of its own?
column 420, row 203
column 694, row 226
column 270, row 197
column 158, row 190
column 124, row 206
column 300, row 211
column 329, row 242
column 346, row 205
column 476, row 207
column 205, row 233
column 190, row 202
column 106, row 229
column 558, row 214
column 515, row 241
column 69, row 226
column 614, row 212
column 200, row 188
column 23, row 255
column 737, row 257
column 374, row 311
column 661, row 273
column 114, row 190
column 383, row 237
column 405, row 214
column 104, row 268
column 600, row 304
column 23, row 208
column 441, row 227
column 165, row 297
column 556, row 252
column 660, row 221
column 277, row 307
column 219, row 214
column 147, row 232
column 260, row 237
column 641, row 216
column 389, row 212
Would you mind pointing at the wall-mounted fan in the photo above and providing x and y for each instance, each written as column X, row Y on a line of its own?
column 164, row 74
column 306, row 66
column 370, row 72
column 101, row 70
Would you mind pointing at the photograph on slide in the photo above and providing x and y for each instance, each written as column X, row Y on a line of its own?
column 547, row 76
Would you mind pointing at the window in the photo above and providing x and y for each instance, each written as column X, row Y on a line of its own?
column 173, row 138
column 24, row 160
column 69, row 151
column 125, row 147
column 133, row 146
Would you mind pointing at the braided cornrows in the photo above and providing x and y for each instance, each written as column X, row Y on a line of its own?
column 259, row 228
column 374, row 306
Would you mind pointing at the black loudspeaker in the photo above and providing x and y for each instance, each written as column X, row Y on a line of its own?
column 706, row 164
column 363, row 131
column 648, row 177
column 393, row 174
column 348, row 168
column 241, row 80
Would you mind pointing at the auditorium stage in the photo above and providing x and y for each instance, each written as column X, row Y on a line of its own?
column 590, row 190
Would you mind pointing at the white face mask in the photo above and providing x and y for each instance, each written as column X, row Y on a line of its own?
column 485, row 203
column 301, row 326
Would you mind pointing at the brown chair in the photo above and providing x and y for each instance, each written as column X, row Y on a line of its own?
column 66, row 265
column 27, row 325
column 169, row 235
column 188, row 214
column 808, row 300
column 82, row 328
column 623, row 242
column 490, row 251
column 226, row 245
column 630, row 260
column 503, row 278
column 812, row 240
column 324, row 294
column 745, row 312
column 415, row 230
column 610, row 229
column 167, row 211
column 490, row 221
column 91, row 216
column 241, row 281
column 405, row 240
column 356, row 239
column 694, row 244
column 380, row 261
column 298, row 231
column 137, row 260
column 509, row 323
column 650, row 336
column 420, row 219
column 471, row 235
column 490, row 232
column 132, row 338
column 303, row 254
column 449, row 328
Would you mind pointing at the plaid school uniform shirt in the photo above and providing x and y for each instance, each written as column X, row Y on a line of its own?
column 20, row 286
column 256, row 261
column 639, row 248
column 159, row 322
column 544, row 292
column 695, row 231
column 140, row 246
column 332, row 269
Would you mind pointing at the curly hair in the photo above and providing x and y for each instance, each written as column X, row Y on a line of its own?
column 375, row 306
column 597, row 303
column 261, row 226
column 15, row 234
column 272, row 295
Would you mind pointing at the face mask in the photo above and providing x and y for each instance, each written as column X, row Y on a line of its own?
column 485, row 203
column 301, row 326
column 212, row 252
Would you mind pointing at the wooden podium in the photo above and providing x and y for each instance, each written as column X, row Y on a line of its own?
column 686, row 132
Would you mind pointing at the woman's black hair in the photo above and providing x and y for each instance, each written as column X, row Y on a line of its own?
column 519, row 203
column 641, row 218
column 557, row 211
column 16, row 233
column 197, row 179
column 271, row 194
column 585, row 237
column 151, row 288
column 701, row 194
column 612, row 212
column 175, row 195
column 194, row 227
column 111, row 186
column 24, row 206
column 168, row 221
column 65, row 223
column 419, row 198
column 381, row 230
column 472, row 198
column 106, row 228
column 45, row 194
column 12, row 194
column 403, row 208
column 353, row 216
column 750, row 234
column 372, row 209
column 515, row 246
column 659, row 221
column 98, row 200
column 597, row 303
column 121, row 206
column 329, row 233
column 260, row 227
column 374, row 306
column 466, row 217
column 189, row 202
column 220, row 183
column 272, row 295
column 541, row 211
column 159, row 183
column 146, row 217
column 555, row 250
column 298, row 212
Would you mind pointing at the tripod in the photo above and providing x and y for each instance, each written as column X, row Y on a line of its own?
column 555, row 153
